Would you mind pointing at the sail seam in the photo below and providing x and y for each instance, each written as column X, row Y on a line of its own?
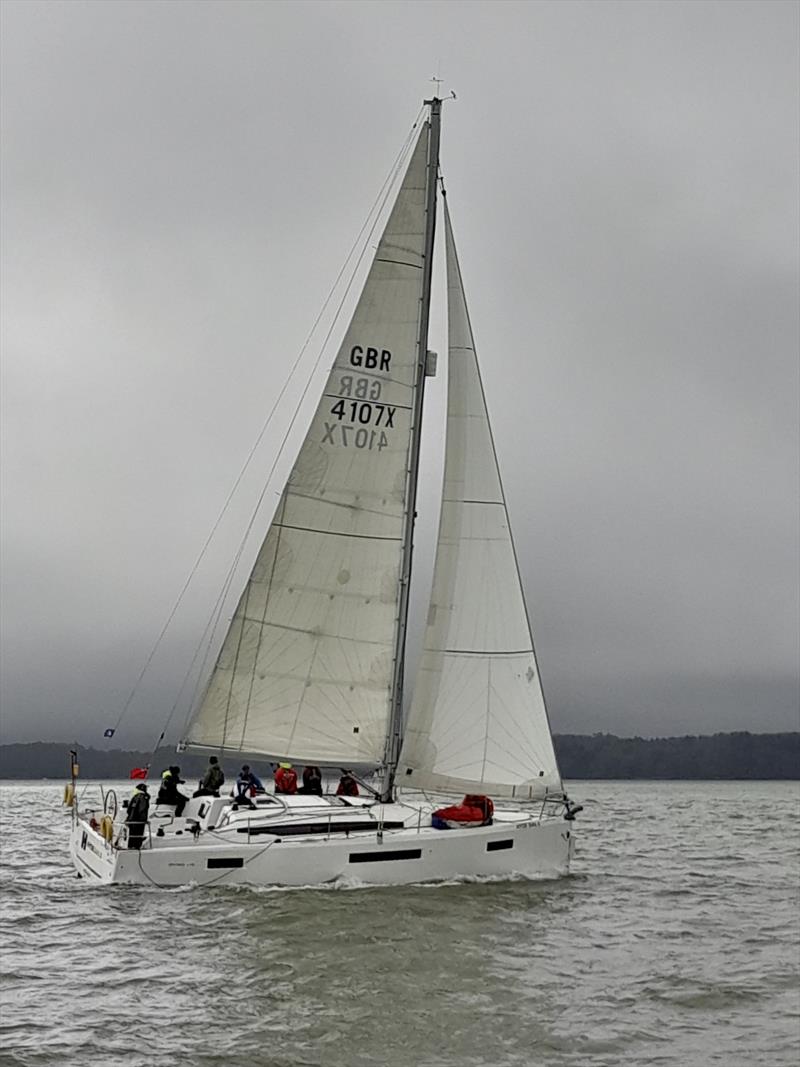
column 458, row 500
column 334, row 503
column 336, row 533
column 398, row 262
column 311, row 633
column 364, row 373
column 480, row 651
column 338, row 396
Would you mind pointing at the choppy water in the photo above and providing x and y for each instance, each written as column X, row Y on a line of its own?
column 675, row 941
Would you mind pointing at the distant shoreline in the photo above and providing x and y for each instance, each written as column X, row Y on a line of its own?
column 582, row 757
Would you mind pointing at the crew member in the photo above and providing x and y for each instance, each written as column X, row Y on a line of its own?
column 312, row 781
column 285, row 778
column 212, row 780
column 138, row 809
column 247, row 784
column 169, row 793
column 347, row 787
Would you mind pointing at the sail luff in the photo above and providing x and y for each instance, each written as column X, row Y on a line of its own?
column 394, row 736
column 478, row 720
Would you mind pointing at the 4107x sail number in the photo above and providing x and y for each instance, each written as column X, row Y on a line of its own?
column 361, row 421
column 365, row 413
column 359, row 414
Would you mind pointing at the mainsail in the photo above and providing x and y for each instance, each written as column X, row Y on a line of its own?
column 305, row 671
column 478, row 720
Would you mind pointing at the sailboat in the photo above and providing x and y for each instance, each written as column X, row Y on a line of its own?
column 312, row 669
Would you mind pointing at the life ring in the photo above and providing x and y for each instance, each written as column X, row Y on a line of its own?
column 106, row 827
column 110, row 805
column 69, row 794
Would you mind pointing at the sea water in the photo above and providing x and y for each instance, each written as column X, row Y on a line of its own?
column 675, row 941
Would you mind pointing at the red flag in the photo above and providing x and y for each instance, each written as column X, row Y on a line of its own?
column 138, row 772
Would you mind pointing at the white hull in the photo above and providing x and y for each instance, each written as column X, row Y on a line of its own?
column 245, row 849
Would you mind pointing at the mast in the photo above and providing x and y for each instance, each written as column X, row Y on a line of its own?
column 394, row 737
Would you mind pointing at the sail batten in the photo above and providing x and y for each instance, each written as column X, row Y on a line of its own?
column 305, row 670
column 478, row 721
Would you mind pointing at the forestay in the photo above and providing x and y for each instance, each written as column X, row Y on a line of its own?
column 478, row 721
column 305, row 670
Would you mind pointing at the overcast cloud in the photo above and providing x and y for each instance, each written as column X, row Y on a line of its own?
column 181, row 182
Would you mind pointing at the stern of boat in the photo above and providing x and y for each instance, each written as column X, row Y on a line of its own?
column 94, row 858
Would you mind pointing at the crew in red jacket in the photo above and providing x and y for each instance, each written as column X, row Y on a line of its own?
column 285, row 778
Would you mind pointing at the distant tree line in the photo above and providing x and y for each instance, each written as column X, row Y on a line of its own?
column 48, row 759
column 736, row 756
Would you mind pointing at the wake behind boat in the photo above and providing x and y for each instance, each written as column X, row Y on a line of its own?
column 312, row 668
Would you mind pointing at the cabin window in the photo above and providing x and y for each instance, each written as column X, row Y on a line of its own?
column 386, row 854
column 496, row 846
column 230, row 861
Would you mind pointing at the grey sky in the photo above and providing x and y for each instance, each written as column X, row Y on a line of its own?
column 181, row 182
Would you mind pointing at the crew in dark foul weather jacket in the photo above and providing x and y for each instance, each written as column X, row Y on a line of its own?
column 138, row 809
column 285, row 778
column 347, row 787
column 212, row 780
column 169, row 793
column 312, row 781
